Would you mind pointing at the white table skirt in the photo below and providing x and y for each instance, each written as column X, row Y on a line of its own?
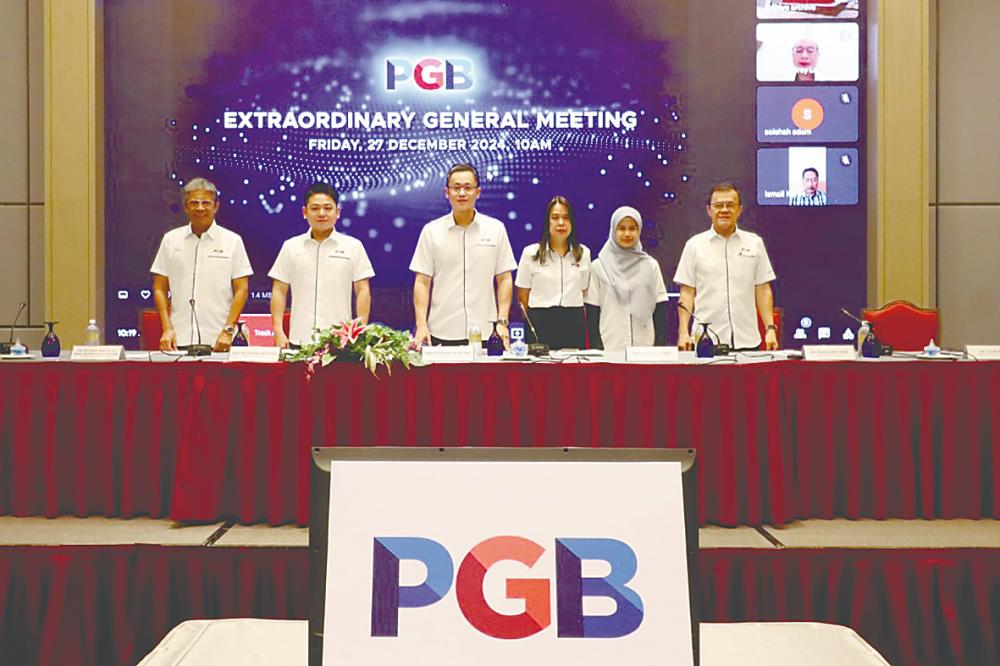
column 284, row 643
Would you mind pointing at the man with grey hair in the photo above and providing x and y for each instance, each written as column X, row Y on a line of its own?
column 205, row 270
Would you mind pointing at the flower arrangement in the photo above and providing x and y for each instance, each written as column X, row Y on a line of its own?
column 373, row 344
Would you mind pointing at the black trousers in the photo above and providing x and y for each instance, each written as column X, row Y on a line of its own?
column 559, row 328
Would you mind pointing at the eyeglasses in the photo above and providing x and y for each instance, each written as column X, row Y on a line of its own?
column 194, row 203
column 811, row 50
column 459, row 189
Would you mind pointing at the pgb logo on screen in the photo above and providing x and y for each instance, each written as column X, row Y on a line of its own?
column 389, row 597
column 429, row 73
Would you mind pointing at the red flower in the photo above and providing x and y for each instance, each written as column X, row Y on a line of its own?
column 348, row 332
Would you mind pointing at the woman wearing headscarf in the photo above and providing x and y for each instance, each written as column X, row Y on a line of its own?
column 626, row 300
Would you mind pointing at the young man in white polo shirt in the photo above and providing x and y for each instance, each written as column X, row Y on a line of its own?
column 205, row 269
column 724, row 274
column 461, row 254
column 320, row 266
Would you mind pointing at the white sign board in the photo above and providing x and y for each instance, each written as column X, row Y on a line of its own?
column 983, row 352
column 97, row 353
column 651, row 355
column 829, row 352
column 500, row 563
column 255, row 354
column 448, row 354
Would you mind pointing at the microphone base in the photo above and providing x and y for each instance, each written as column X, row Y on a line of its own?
column 199, row 350
column 5, row 347
column 722, row 349
column 538, row 349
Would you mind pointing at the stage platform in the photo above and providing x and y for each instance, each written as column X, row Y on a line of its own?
column 98, row 591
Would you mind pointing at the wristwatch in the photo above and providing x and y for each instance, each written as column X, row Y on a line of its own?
column 503, row 322
column 229, row 329
column 771, row 327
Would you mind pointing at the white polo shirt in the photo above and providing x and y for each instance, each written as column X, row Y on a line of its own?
column 559, row 282
column 462, row 264
column 619, row 328
column 205, row 268
column 724, row 273
column 321, row 276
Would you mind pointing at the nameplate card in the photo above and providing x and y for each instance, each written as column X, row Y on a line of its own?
column 983, row 352
column 830, row 352
column 255, row 354
column 97, row 353
column 441, row 354
column 651, row 355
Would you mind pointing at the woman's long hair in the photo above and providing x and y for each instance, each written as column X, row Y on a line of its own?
column 544, row 245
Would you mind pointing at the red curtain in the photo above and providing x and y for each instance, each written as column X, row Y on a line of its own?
column 106, row 605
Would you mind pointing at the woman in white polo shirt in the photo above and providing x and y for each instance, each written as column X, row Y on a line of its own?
column 551, row 279
column 626, row 299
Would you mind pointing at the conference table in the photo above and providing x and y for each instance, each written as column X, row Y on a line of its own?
column 776, row 440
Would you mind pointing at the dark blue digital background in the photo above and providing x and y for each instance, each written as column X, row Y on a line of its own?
column 173, row 69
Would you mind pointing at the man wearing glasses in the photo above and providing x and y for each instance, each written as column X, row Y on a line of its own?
column 724, row 275
column 200, row 276
column 461, row 254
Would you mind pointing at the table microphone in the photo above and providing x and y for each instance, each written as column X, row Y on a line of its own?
column 198, row 349
column 536, row 348
column 6, row 346
column 721, row 349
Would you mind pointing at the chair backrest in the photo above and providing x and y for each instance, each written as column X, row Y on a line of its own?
column 904, row 326
column 150, row 328
column 777, row 327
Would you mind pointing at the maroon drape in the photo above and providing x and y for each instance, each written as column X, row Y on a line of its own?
column 776, row 441
column 107, row 605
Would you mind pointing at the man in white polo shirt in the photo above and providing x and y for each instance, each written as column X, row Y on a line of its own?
column 724, row 275
column 205, row 270
column 321, row 266
column 461, row 254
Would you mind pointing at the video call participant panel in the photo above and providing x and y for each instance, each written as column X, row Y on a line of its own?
column 808, row 9
column 807, row 52
column 807, row 176
column 807, row 114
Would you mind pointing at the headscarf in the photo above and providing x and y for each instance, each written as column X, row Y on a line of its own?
column 629, row 273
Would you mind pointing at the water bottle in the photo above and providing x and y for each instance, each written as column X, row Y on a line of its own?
column 475, row 336
column 862, row 335
column 92, row 337
column 494, row 346
column 870, row 348
column 518, row 347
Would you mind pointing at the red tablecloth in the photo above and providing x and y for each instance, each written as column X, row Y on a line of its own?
column 775, row 441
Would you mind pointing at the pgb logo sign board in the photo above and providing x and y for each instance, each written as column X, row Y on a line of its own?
column 499, row 562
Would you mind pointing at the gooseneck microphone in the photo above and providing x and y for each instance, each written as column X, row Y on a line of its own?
column 198, row 349
column 536, row 348
column 6, row 346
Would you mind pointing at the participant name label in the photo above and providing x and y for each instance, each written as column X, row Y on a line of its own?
column 463, row 354
column 97, row 353
column 829, row 352
column 983, row 352
column 255, row 354
column 651, row 355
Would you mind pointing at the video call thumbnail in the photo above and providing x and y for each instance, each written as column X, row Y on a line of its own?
column 807, row 176
column 811, row 114
column 808, row 9
column 807, row 52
